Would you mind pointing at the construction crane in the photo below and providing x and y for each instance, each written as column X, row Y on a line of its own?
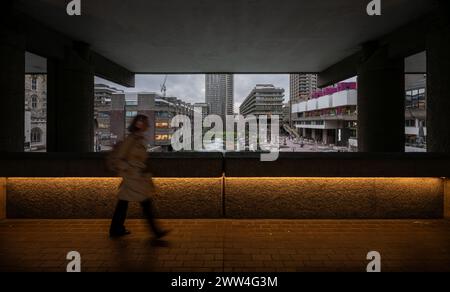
column 163, row 87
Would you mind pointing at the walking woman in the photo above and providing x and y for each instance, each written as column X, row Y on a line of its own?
column 137, row 185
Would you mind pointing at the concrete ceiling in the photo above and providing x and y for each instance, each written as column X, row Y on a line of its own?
column 236, row 36
column 35, row 64
column 416, row 63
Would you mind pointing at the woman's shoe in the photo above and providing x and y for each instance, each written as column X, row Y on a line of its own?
column 162, row 234
column 119, row 234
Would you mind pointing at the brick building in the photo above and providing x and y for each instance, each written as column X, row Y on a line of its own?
column 160, row 111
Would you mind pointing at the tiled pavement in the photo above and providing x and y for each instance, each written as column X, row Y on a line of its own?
column 228, row 245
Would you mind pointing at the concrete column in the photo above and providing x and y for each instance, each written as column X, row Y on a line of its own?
column 304, row 133
column 325, row 137
column 2, row 198
column 117, row 118
column 381, row 102
column 12, row 97
column 146, row 106
column 345, row 136
column 71, row 102
column 438, row 79
column 313, row 134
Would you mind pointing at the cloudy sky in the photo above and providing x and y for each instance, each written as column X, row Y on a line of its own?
column 191, row 88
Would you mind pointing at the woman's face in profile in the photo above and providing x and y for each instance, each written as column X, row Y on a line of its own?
column 142, row 125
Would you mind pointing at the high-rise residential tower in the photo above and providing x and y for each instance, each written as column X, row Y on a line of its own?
column 302, row 86
column 219, row 92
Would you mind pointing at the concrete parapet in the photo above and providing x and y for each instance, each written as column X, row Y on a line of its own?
column 333, row 198
column 95, row 198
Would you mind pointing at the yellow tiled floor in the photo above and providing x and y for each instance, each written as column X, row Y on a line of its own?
column 228, row 245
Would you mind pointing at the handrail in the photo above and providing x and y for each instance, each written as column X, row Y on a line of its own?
column 235, row 165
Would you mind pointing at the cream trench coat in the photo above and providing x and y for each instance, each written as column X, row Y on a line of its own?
column 137, row 186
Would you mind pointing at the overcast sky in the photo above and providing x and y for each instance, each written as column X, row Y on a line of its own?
column 191, row 88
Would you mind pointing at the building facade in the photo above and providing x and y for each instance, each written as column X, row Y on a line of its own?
column 302, row 86
column 416, row 111
column 264, row 99
column 286, row 113
column 102, row 116
column 35, row 112
column 219, row 94
column 203, row 109
column 329, row 116
column 160, row 111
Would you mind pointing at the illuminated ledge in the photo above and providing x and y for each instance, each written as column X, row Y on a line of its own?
column 203, row 165
column 236, row 198
column 95, row 198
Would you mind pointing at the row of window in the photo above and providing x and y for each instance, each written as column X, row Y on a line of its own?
column 34, row 83
column 103, row 115
column 131, row 114
column 412, row 123
column 162, row 125
column 416, row 98
column 103, row 126
column 309, row 123
column 35, row 102
column 36, row 135
column 163, row 137
column 347, row 110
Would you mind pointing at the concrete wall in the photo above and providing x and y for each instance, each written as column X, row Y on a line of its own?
column 90, row 165
column 333, row 198
column 350, row 165
column 269, row 198
column 12, row 98
column 2, row 198
column 71, row 198
column 447, row 198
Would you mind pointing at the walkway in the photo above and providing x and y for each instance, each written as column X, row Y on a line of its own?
column 228, row 245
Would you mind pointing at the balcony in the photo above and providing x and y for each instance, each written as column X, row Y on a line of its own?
column 312, row 105
column 344, row 98
column 325, row 102
column 299, row 107
column 415, row 131
column 343, row 117
column 338, row 99
column 311, row 126
column 325, row 125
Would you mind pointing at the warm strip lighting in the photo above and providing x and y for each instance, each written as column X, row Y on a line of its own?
column 338, row 178
column 281, row 185
column 447, row 198
column 95, row 198
column 2, row 198
column 334, row 198
column 277, row 198
column 77, row 183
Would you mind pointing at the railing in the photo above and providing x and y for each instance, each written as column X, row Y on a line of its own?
column 203, row 165
column 352, row 116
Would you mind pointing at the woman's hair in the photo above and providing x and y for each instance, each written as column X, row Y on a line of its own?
column 139, row 118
